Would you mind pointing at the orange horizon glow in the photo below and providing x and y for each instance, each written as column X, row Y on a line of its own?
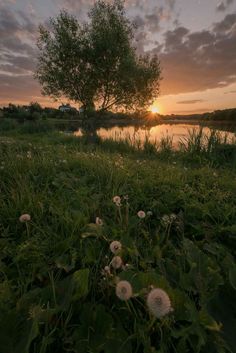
column 155, row 109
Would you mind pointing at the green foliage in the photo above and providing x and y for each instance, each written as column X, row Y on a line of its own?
column 55, row 295
column 96, row 63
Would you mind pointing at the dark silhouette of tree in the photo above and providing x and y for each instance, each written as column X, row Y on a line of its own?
column 96, row 64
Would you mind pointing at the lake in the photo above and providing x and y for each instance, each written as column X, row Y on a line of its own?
column 176, row 131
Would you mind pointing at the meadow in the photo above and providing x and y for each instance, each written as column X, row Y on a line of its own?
column 64, row 201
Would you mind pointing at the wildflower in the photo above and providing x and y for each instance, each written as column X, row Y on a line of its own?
column 149, row 213
column 107, row 269
column 165, row 220
column 158, row 303
column 115, row 247
column 116, row 262
column 172, row 217
column 141, row 214
column 124, row 290
column 117, row 200
column 99, row 221
column 24, row 218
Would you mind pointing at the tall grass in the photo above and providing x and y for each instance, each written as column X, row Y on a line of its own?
column 55, row 295
column 199, row 142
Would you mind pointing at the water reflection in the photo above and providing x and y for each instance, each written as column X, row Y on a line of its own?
column 176, row 132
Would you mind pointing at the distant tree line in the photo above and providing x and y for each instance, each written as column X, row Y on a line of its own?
column 221, row 115
column 34, row 111
column 217, row 115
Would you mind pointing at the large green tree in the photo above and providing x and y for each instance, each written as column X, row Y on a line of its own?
column 96, row 64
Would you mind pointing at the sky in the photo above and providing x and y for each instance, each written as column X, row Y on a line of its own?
column 195, row 41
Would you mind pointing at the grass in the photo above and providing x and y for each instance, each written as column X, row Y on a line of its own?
column 54, row 293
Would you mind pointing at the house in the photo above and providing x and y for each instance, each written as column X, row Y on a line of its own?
column 66, row 108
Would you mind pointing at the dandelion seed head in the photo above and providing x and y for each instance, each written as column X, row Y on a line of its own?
column 24, row 218
column 115, row 247
column 158, row 303
column 117, row 200
column 124, row 290
column 99, row 221
column 172, row 217
column 165, row 219
column 116, row 262
column 141, row 214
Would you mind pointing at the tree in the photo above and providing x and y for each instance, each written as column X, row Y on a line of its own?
column 96, row 64
column 35, row 107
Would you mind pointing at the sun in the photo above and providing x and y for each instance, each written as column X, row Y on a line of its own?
column 154, row 109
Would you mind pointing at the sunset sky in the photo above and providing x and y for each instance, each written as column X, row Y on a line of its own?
column 195, row 41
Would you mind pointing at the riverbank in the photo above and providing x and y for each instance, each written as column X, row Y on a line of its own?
column 58, row 287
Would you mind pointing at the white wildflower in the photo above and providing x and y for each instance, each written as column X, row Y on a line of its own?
column 24, row 218
column 165, row 219
column 116, row 262
column 124, row 290
column 99, row 221
column 115, row 247
column 141, row 214
column 158, row 303
column 173, row 217
column 107, row 269
column 117, row 200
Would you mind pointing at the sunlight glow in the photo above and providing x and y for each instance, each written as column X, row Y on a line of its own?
column 154, row 109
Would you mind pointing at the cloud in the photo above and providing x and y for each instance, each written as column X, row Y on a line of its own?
column 223, row 5
column 191, row 61
column 196, row 61
column 193, row 101
column 18, row 34
column 230, row 92
column 192, row 111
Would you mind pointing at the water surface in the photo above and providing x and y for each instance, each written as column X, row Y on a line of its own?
column 175, row 131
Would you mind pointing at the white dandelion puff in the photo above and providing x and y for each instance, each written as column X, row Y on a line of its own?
column 115, row 247
column 159, row 303
column 124, row 290
column 173, row 217
column 99, row 221
column 107, row 269
column 141, row 214
column 117, row 200
column 24, row 218
column 165, row 220
column 116, row 262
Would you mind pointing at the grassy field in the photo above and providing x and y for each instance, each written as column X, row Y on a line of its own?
column 58, row 284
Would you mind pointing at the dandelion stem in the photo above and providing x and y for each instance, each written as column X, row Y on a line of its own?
column 27, row 229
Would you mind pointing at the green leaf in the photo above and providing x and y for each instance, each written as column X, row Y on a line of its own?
column 208, row 322
column 17, row 333
column 81, row 283
column 232, row 277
